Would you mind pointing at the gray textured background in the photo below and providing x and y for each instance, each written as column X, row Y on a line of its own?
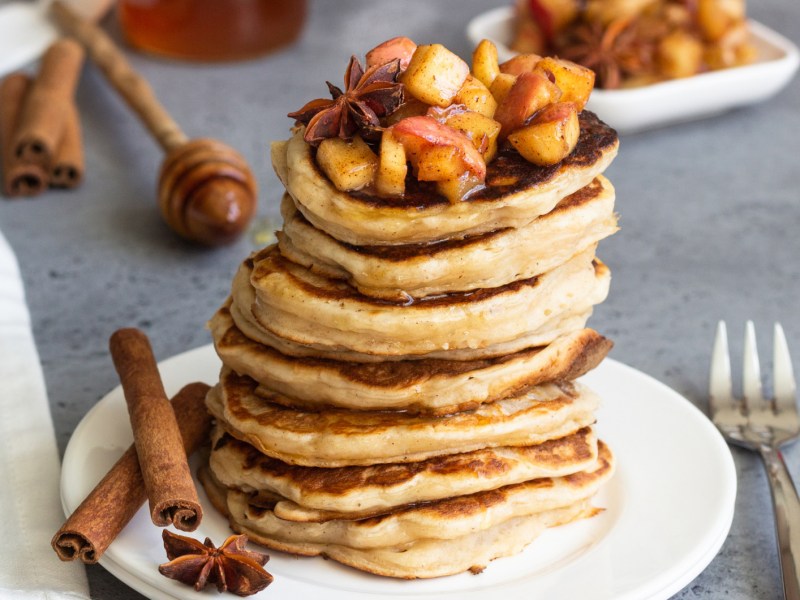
column 709, row 213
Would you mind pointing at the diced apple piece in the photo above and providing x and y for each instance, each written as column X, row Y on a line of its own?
column 679, row 55
column 606, row 11
column 411, row 108
column 398, row 47
column 438, row 163
column 715, row 17
column 476, row 97
column 428, row 143
column 482, row 130
column 530, row 93
column 550, row 136
column 484, row 62
column 553, row 15
column 457, row 189
column 575, row 81
column 349, row 165
column 501, row 85
column 435, row 75
column 519, row 64
column 392, row 168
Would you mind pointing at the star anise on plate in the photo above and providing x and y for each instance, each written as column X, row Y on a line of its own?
column 614, row 52
column 367, row 97
column 231, row 567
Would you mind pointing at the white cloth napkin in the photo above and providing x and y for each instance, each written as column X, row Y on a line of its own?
column 30, row 506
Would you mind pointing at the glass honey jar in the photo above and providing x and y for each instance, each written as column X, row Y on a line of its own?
column 211, row 30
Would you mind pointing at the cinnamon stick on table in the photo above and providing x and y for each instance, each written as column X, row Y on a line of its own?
column 165, row 469
column 89, row 531
column 20, row 178
column 67, row 168
column 42, row 121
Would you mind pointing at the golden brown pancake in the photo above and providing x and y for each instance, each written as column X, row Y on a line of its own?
column 431, row 539
column 486, row 260
column 433, row 386
column 328, row 317
column 338, row 438
column 359, row 492
column 516, row 193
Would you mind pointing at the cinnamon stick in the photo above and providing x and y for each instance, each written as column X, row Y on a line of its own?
column 89, row 531
column 20, row 178
column 165, row 470
column 41, row 124
column 67, row 169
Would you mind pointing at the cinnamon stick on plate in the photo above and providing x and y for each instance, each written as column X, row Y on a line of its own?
column 20, row 178
column 42, row 121
column 165, row 469
column 89, row 531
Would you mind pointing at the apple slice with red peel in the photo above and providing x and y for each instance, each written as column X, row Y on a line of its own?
column 530, row 93
column 397, row 47
column 550, row 136
column 438, row 152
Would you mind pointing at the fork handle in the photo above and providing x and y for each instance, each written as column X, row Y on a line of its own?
column 786, row 503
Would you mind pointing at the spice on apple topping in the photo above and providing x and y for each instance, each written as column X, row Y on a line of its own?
column 425, row 107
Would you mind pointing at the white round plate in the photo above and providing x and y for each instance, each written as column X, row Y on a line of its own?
column 668, row 508
column 677, row 100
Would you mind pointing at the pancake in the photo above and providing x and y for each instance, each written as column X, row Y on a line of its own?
column 480, row 261
column 338, row 438
column 327, row 316
column 555, row 327
column 432, row 539
column 358, row 492
column 516, row 193
column 433, row 386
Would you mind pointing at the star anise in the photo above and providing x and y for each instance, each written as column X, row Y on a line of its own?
column 614, row 52
column 231, row 567
column 367, row 97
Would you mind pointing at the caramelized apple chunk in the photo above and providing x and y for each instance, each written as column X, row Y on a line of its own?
column 438, row 152
column 484, row 62
column 576, row 82
column 392, row 167
column 398, row 47
column 519, row 64
column 434, row 75
column 350, row 165
column 530, row 93
column 476, row 97
column 482, row 130
column 550, row 136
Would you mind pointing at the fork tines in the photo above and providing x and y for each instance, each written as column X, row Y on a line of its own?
column 721, row 386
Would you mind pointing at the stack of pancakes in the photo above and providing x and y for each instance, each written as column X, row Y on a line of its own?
column 398, row 390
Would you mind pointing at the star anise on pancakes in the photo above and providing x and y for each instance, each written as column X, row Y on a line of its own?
column 231, row 567
column 614, row 52
column 367, row 97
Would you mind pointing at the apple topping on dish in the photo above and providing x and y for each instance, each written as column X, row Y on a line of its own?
column 422, row 112
column 630, row 43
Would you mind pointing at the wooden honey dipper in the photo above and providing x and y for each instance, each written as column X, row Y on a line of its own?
column 206, row 191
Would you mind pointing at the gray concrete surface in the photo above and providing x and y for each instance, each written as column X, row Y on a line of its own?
column 710, row 215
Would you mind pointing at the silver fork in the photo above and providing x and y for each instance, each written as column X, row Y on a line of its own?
column 763, row 425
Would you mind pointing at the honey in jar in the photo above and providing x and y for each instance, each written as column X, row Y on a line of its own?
column 211, row 30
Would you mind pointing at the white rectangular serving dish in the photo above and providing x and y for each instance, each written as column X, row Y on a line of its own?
column 668, row 102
